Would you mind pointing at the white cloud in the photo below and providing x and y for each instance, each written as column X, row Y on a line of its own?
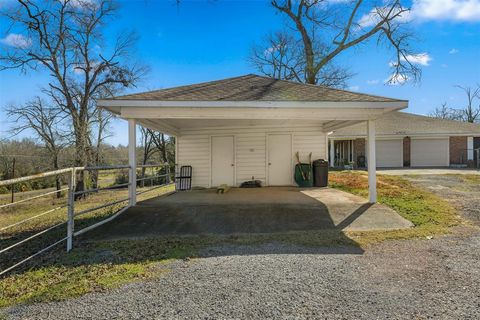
column 420, row 58
column 396, row 79
column 354, row 88
column 428, row 10
column 454, row 51
column 375, row 15
column 454, row 10
column 373, row 82
column 17, row 41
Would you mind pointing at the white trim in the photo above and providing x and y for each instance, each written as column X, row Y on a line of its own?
column 403, row 135
column 251, row 104
column 244, row 113
column 469, row 148
column 372, row 163
column 132, row 161
column 327, row 155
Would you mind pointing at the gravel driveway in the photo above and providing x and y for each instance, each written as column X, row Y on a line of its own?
column 437, row 278
column 420, row 279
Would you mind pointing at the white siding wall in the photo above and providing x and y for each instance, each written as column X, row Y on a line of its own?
column 193, row 148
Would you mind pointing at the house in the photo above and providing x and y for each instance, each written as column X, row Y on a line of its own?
column 409, row 140
column 236, row 129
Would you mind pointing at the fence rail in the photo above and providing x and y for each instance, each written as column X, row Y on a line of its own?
column 71, row 214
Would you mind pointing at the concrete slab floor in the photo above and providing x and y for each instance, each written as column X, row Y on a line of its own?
column 259, row 210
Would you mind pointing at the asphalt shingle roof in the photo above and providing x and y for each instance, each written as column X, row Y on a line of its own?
column 254, row 88
column 403, row 123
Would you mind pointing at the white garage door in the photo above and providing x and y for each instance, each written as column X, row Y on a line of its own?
column 389, row 153
column 429, row 152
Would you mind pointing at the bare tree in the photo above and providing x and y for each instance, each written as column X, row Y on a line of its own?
column 444, row 112
column 45, row 121
column 98, row 133
column 324, row 30
column 65, row 39
column 148, row 148
column 471, row 112
column 280, row 56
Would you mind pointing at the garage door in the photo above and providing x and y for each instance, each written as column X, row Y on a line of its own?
column 429, row 152
column 389, row 153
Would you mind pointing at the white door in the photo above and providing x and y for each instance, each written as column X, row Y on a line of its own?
column 223, row 161
column 429, row 152
column 279, row 159
column 389, row 153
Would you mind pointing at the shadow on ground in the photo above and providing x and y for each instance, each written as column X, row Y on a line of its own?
column 187, row 224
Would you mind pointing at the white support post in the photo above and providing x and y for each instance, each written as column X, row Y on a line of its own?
column 70, row 209
column 332, row 153
column 132, row 161
column 372, row 162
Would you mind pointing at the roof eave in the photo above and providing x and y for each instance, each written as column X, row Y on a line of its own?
column 115, row 104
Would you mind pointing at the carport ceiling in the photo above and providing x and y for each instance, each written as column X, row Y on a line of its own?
column 175, row 126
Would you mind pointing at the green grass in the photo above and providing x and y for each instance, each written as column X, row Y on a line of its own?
column 430, row 214
column 99, row 266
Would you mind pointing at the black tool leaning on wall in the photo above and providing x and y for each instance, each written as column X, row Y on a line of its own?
column 183, row 180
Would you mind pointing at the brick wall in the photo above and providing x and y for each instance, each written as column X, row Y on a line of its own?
column 406, row 152
column 458, row 150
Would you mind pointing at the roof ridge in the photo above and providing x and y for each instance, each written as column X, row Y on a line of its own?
column 328, row 88
column 441, row 119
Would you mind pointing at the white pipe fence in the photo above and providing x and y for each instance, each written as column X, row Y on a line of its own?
column 71, row 174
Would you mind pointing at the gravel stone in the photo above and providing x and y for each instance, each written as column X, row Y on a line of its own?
column 424, row 279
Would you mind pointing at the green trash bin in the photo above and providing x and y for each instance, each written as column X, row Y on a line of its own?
column 305, row 180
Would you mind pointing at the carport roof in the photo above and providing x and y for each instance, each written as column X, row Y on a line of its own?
column 409, row 124
column 254, row 88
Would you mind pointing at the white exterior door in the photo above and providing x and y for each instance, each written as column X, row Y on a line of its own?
column 223, row 161
column 430, row 152
column 279, row 159
column 389, row 153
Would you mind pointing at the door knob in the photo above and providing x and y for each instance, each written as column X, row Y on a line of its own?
column 233, row 165
column 269, row 163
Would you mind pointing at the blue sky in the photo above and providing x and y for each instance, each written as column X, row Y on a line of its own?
column 205, row 40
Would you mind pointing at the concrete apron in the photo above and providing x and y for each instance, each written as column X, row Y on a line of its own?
column 353, row 213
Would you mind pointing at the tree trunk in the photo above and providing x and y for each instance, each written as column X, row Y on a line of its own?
column 164, row 148
column 58, row 184
column 81, row 156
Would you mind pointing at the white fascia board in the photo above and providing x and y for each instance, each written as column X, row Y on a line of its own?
column 393, row 105
column 297, row 113
column 411, row 135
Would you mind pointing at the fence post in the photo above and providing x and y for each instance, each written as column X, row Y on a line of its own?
column 71, row 209
column 167, row 166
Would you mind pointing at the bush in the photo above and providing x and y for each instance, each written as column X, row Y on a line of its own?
column 121, row 177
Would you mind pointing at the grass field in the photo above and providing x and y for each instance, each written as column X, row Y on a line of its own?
column 98, row 266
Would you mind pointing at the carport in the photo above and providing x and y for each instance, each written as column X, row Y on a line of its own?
column 234, row 129
column 253, row 211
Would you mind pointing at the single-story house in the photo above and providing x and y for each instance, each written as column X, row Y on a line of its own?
column 409, row 140
column 251, row 126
